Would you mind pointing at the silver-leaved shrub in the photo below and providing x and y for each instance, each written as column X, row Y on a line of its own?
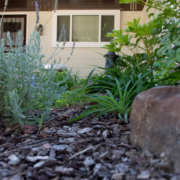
column 25, row 85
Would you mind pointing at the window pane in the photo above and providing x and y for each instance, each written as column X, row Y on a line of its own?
column 60, row 21
column 11, row 26
column 109, row 21
column 85, row 28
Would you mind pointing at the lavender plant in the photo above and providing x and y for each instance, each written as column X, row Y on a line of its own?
column 24, row 84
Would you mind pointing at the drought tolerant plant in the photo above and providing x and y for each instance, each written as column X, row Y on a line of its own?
column 168, row 52
column 114, row 90
column 24, row 84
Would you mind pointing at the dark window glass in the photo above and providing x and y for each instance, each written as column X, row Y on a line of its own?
column 109, row 21
column 11, row 26
column 60, row 21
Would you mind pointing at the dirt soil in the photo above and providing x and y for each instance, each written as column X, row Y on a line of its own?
column 92, row 148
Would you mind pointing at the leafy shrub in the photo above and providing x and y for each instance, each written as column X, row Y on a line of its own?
column 146, row 36
column 134, row 74
column 169, row 50
column 71, row 97
column 161, row 36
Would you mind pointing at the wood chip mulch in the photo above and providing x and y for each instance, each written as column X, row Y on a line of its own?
column 92, row 148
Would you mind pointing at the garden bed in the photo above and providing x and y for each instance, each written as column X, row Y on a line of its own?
column 92, row 148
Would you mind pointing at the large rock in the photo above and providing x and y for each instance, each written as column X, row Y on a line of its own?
column 155, row 122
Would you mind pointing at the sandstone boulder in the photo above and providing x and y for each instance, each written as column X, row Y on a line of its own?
column 155, row 122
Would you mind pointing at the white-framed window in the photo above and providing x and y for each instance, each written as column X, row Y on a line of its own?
column 85, row 25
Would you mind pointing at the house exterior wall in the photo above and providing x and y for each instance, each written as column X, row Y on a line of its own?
column 145, row 18
column 83, row 58
column 128, row 16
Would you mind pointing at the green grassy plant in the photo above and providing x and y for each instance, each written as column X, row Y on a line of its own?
column 118, row 103
column 72, row 97
column 115, row 90
column 128, row 67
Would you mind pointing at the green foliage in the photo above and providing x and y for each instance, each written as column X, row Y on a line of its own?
column 146, row 39
column 130, row 67
column 71, row 82
column 118, row 102
column 71, row 97
column 169, row 50
column 156, row 66
column 156, row 38
column 40, row 122
column 116, row 88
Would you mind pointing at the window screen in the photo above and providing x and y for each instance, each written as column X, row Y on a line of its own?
column 85, row 28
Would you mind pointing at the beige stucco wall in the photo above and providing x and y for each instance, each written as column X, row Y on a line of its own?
column 145, row 18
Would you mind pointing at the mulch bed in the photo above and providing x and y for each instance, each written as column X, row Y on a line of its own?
column 92, row 148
